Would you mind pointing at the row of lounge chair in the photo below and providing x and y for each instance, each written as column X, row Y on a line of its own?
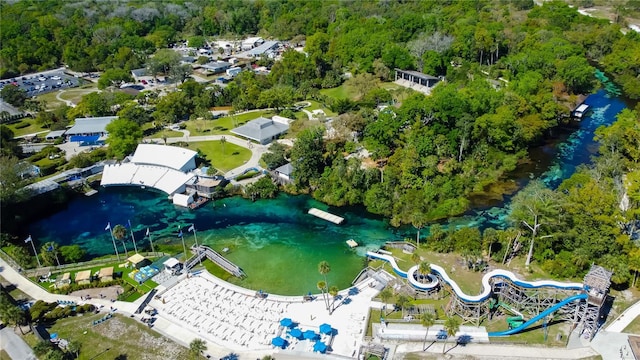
column 100, row 321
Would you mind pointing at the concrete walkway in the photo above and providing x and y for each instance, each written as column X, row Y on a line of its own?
column 15, row 346
column 497, row 352
column 622, row 321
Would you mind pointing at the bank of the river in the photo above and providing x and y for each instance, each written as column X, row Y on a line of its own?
column 275, row 241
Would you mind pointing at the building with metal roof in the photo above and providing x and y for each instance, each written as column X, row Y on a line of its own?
column 261, row 130
column 90, row 126
column 260, row 50
column 216, row 66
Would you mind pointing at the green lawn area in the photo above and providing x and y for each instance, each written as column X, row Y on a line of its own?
column 340, row 92
column 4, row 355
column 73, row 94
column 222, row 158
column 32, row 128
column 223, row 125
column 50, row 99
column 117, row 338
column 165, row 133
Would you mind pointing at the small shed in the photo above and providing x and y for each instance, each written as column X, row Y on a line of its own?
column 183, row 200
column 83, row 277
column 106, row 274
column 172, row 265
column 138, row 260
column 285, row 172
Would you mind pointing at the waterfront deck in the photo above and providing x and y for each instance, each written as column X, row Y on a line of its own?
column 326, row 216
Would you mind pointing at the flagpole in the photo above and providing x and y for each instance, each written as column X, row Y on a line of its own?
column 132, row 237
column 197, row 246
column 184, row 247
column 150, row 242
column 113, row 240
column 29, row 239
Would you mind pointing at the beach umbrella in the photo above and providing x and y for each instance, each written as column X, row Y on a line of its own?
column 320, row 347
column 286, row 322
column 310, row 335
column 296, row 333
column 278, row 341
column 326, row 329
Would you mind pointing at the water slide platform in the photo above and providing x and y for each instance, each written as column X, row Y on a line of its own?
column 326, row 216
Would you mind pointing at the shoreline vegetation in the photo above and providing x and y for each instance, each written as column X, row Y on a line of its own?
column 512, row 71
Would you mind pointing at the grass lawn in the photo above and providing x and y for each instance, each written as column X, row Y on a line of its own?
column 32, row 128
column 50, row 100
column 340, row 92
column 75, row 94
column 117, row 338
column 166, row 133
column 222, row 158
column 634, row 327
column 223, row 125
column 14, row 292
column 316, row 105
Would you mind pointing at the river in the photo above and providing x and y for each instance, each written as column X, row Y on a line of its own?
column 276, row 242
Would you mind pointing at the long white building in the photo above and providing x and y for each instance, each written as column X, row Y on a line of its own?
column 166, row 168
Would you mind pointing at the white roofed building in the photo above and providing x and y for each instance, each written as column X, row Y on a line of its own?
column 252, row 42
column 166, row 168
column 168, row 156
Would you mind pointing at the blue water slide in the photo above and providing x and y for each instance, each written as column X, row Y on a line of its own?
column 540, row 316
column 486, row 286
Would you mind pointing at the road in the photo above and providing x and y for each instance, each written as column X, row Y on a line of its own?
column 15, row 346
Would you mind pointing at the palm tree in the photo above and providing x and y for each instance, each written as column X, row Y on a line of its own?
column 322, row 286
column 418, row 220
column 424, row 268
column 451, row 325
column 49, row 253
column 333, row 291
column 120, row 233
column 223, row 140
column 385, row 295
column 324, row 268
column 74, row 347
column 13, row 315
column 196, row 347
column 415, row 258
column 427, row 320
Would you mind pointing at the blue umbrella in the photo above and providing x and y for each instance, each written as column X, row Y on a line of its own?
column 286, row 322
column 296, row 333
column 320, row 347
column 309, row 335
column 326, row 329
column 278, row 341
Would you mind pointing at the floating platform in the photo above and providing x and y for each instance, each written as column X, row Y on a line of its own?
column 326, row 216
column 352, row 243
column 91, row 192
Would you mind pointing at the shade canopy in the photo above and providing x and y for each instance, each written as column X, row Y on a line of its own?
column 296, row 333
column 326, row 329
column 286, row 322
column 310, row 335
column 320, row 347
column 278, row 341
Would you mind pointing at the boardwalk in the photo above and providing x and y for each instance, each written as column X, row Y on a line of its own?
column 212, row 255
column 326, row 216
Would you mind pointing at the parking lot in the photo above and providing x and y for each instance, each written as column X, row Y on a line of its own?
column 37, row 84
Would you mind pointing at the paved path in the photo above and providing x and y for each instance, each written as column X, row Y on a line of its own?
column 622, row 321
column 68, row 102
column 15, row 346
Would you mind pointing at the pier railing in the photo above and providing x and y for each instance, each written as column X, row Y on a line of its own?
column 214, row 256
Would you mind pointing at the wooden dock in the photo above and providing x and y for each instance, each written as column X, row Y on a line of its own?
column 326, row 216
